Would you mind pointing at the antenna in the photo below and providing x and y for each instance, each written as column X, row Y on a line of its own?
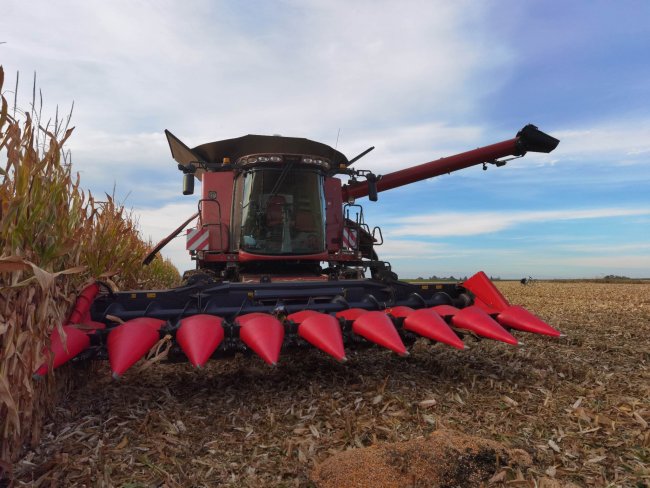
column 337, row 139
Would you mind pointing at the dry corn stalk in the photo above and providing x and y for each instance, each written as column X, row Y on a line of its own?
column 53, row 238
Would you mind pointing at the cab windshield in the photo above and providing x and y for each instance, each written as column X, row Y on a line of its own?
column 282, row 212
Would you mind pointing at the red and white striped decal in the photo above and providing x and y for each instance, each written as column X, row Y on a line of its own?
column 349, row 238
column 197, row 239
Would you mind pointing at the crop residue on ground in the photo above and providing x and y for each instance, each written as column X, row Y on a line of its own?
column 579, row 406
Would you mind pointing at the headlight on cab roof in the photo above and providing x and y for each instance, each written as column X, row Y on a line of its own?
column 262, row 158
column 323, row 163
column 268, row 158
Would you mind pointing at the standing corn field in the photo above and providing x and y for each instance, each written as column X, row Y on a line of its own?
column 54, row 237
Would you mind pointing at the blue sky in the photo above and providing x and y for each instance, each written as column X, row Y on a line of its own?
column 418, row 80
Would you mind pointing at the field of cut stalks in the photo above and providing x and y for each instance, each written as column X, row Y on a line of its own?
column 561, row 412
column 54, row 238
column 553, row 413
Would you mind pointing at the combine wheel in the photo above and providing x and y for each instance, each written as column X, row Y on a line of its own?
column 380, row 270
column 199, row 277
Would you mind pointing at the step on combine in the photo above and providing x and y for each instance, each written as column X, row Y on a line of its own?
column 284, row 259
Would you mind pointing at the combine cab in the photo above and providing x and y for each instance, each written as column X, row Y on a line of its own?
column 282, row 257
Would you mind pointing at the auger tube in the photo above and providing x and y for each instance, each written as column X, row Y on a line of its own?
column 530, row 138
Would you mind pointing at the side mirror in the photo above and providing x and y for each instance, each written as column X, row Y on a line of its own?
column 372, row 186
column 188, row 183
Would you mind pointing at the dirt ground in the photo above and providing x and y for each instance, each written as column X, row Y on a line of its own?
column 578, row 406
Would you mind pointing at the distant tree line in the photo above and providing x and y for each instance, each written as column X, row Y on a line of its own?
column 450, row 278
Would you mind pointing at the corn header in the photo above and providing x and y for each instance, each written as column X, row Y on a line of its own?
column 284, row 259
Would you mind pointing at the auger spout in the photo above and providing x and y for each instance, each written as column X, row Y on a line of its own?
column 530, row 138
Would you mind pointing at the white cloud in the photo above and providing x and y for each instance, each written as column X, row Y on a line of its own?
column 95, row 147
column 615, row 249
column 408, row 249
column 402, row 76
column 212, row 70
column 623, row 143
column 628, row 138
column 475, row 223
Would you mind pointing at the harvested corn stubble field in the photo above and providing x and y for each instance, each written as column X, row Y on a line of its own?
column 565, row 412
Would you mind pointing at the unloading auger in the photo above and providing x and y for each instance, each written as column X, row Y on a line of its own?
column 282, row 251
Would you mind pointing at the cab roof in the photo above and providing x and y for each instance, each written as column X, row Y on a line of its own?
column 215, row 152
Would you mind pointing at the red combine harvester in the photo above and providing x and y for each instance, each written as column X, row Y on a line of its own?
column 282, row 252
